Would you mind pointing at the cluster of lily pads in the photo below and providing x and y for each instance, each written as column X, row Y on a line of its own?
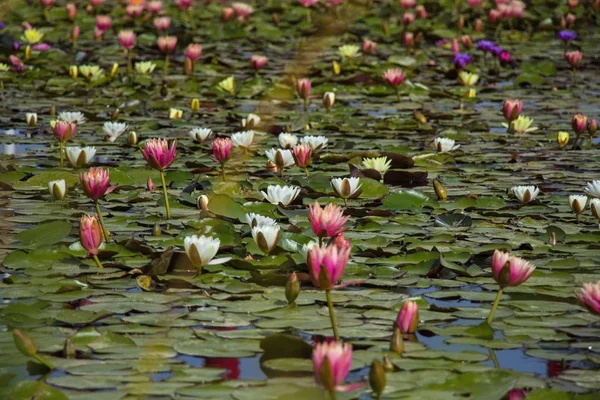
column 253, row 193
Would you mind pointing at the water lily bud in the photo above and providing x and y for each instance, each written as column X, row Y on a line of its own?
column 73, row 71
column 478, row 25
column 195, row 106
column 439, row 189
column 292, row 288
column 326, row 375
column 31, row 119
column 28, row 52
column 114, row 70
column 461, row 23
column 552, row 239
column 388, row 366
column 377, row 378
column 592, row 127
column 397, row 342
column 337, row 68
column 251, row 121
column 115, row 114
column 328, row 100
column 579, row 123
column 24, row 343
column 202, row 202
column 58, row 189
column 577, row 203
column 150, row 185
column 71, row 11
column 275, row 18
column 266, row 237
column 156, row 230
column 562, row 139
column 271, row 167
column 75, row 33
column 132, row 138
column 421, row 119
column 69, row 350
column 53, row 110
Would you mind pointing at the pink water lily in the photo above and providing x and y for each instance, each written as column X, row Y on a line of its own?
column 510, row 270
column 326, row 264
column 589, row 296
column 328, row 221
column 95, row 182
column 331, row 365
column 157, row 153
column 408, row 317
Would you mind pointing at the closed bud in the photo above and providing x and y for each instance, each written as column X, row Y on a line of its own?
column 328, row 100
column 275, row 18
column 377, row 378
column 337, row 68
column 195, row 106
column 73, row 71
column 478, row 25
column 114, row 70
column 71, row 11
column 188, row 66
column 132, row 138
column 397, row 342
column 471, row 93
column 592, row 127
column 202, row 203
column 461, row 23
column 53, row 111
column 58, row 189
column 27, row 52
column 292, row 288
column 439, row 190
column 156, row 230
column 24, row 343
column 31, row 119
column 421, row 119
column 552, row 239
column 388, row 365
column 68, row 349
column 75, row 33
column 115, row 114
column 271, row 167
column 562, row 139
column 150, row 185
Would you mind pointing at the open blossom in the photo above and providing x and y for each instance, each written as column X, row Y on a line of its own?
column 408, row 317
column 157, row 153
column 328, row 221
column 258, row 62
column 254, row 219
column 193, row 51
column 80, row 156
column 368, row 46
column 95, row 182
column 183, row 4
column 162, row 23
column 242, row 11
column 167, row 44
column 461, row 60
column 510, row 270
column 339, row 357
column 126, row 39
column 593, row 188
column 154, row 6
column 75, row 117
column 222, row 149
column 326, row 264
column 201, row 250
column 379, row 164
column 200, row 134
column 113, row 130
column 345, row 187
column 525, row 194
column 303, row 87
column 567, row 35
column 287, row 140
column 445, row 145
column 285, row 195
column 282, row 158
column 243, row 139
column 315, row 142
column 266, row 237
column 63, row 130
column 90, row 234
column 589, row 296
column 394, row 77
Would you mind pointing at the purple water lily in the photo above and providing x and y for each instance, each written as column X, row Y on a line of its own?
column 461, row 60
column 496, row 50
column 2, row 25
column 567, row 35
column 485, row 45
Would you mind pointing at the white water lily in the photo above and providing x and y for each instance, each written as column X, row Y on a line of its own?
column 282, row 158
column 243, row 140
column 525, row 194
column 201, row 250
column 379, row 164
column 266, row 237
column 254, row 219
column 113, row 130
column 445, row 145
column 74, row 116
column 281, row 194
column 145, row 67
column 251, row 121
column 315, row 142
column 595, row 207
column 287, row 140
column 577, row 203
column 593, row 188
column 80, row 156
column 200, row 134
column 58, row 189
column 31, row 119
column 345, row 187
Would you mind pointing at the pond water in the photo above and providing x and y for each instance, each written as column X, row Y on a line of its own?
column 150, row 324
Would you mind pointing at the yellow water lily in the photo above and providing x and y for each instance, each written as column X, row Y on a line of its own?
column 91, row 72
column 562, row 139
column 32, row 36
column 467, row 78
column 145, row 67
column 175, row 113
column 380, row 164
column 522, row 125
column 228, row 85
column 4, row 67
column 348, row 50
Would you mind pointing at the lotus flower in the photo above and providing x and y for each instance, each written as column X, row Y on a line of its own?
column 254, row 219
column 379, row 164
column 112, row 130
column 243, row 140
column 315, row 142
column 72, row 117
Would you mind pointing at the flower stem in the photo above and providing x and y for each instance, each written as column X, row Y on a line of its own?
column 305, row 105
column 574, row 77
column 166, row 66
column 44, row 362
column 306, row 172
column 308, row 18
column 223, row 171
column 495, row 306
column 164, row 186
column 101, row 220
column 397, row 93
column 61, row 151
column 346, row 202
column 336, row 334
column 97, row 261
column 129, row 64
